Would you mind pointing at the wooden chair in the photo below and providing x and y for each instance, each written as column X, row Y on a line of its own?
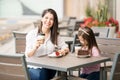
column 68, row 31
column 13, row 67
column 115, row 70
column 108, row 47
column 77, row 24
column 71, row 19
column 71, row 28
column 20, row 41
column 76, row 42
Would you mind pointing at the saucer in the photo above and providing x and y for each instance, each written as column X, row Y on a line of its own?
column 42, row 55
column 83, row 56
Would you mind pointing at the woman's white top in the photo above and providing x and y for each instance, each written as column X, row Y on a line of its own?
column 46, row 48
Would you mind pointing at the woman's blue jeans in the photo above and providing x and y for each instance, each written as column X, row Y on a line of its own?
column 41, row 74
column 91, row 76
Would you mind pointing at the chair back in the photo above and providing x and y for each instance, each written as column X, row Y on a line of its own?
column 77, row 24
column 76, row 42
column 71, row 28
column 115, row 71
column 71, row 19
column 68, row 27
column 20, row 41
column 13, row 67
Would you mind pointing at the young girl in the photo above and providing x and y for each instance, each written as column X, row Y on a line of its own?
column 88, row 42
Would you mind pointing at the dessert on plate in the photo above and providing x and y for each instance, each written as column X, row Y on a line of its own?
column 83, row 53
column 55, row 54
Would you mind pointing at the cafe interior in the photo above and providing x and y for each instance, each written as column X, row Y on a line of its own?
column 18, row 17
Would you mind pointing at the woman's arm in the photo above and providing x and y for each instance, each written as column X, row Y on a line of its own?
column 31, row 53
column 64, row 47
column 64, row 51
column 32, row 44
column 35, row 47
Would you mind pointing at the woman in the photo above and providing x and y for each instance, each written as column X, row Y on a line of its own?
column 35, row 47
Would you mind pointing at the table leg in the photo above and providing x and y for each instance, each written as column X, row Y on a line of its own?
column 63, row 75
column 103, row 73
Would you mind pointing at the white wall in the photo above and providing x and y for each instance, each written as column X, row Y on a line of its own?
column 39, row 5
column 9, row 8
column 118, row 11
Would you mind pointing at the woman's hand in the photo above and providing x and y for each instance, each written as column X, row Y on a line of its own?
column 38, row 43
column 63, row 51
column 36, row 46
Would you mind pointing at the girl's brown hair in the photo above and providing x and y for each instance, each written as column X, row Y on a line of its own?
column 88, row 35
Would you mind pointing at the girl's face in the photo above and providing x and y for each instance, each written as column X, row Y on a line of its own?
column 82, row 41
column 48, row 20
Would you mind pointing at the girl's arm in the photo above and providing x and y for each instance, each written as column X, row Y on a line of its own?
column 95, row 51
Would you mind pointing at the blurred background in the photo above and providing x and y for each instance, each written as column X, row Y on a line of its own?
column 20, row 14
column 19, row 8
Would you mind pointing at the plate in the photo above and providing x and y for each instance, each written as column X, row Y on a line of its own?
column 83, row 56
column 55, row 55
column 42, row 55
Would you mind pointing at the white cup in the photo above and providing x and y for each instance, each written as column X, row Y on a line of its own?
column 77, row 48
column 41, row 37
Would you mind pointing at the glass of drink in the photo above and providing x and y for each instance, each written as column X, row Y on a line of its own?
column 77, row 48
